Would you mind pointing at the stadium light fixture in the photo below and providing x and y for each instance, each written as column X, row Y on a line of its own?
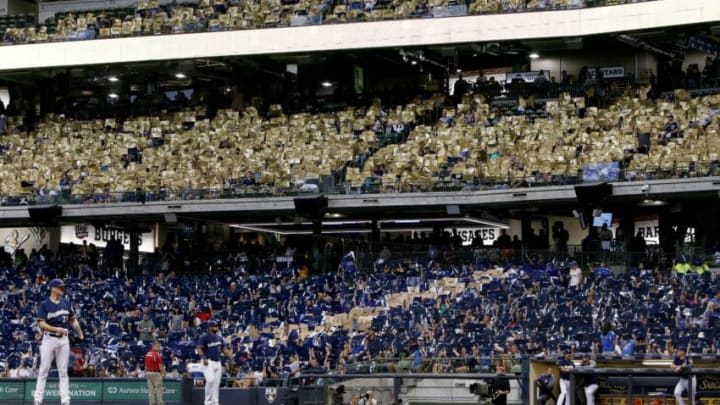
column 413, row 229
column 180, row 75
column 113, row 79
column 326, row 83
column 534, row 55
column 468, row 219
column 268, row 225
column 486, row 222
column 348, row 222
column 652, row 203
column 330, row 226
column 269, row 230
column 414, row 62
column 348, row 231
column 113, row 95
column 657, row 362
column 255, row 228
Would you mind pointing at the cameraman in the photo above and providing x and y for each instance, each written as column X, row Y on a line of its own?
column 545, row 384
column 501, row 387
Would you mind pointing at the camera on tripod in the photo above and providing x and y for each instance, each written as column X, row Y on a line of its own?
column 484, row 391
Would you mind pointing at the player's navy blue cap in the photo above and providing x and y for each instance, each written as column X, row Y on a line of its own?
column 57, row 283
column 211, row 324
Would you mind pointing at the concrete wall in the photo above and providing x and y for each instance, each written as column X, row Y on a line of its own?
column 695, row 57
column 512, row 26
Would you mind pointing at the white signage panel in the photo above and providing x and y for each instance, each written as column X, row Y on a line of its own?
column 101, row 235
column 468, row 235
column 650, row 230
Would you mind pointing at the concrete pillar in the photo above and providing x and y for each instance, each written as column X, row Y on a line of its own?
column 375, row 236
column 53, row 233
column 623, row 244
column 133, row 257
column 707, row 215
column 525, row 231
column 318, row 244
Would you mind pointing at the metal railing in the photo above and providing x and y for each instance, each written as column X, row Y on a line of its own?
column 444, row 365
column 372, row 185
column 390, row 388
column 388, row 255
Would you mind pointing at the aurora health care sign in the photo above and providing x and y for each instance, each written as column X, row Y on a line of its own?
column 89, row 391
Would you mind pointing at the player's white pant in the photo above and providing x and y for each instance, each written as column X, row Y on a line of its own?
column 57, row 348
column 564, row 397
column 213, row 375
column 590, row 394
column 682, row 386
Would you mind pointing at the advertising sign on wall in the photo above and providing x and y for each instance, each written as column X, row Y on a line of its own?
column 23, row 238
column 526, row 76
column 79, row 390
column 11, row 390
column 468, row 235
column 137, row 390
column 101, row 235
column 91, row 391
column 609, row 72
column 650, row 230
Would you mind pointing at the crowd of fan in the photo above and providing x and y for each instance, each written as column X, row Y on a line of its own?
column 153, row 18
column 280, row 320
column 592, row 83
column 431, row 143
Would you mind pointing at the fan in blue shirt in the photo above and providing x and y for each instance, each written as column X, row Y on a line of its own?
column 608, row 338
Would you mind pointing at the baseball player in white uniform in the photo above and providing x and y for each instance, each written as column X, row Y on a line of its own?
column 211, row 347
column 55, row 318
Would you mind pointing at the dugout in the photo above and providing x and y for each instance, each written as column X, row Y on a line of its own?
column 635, row 381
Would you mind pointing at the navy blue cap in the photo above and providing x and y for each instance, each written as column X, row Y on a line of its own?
column 211, row 324
column 57, row 283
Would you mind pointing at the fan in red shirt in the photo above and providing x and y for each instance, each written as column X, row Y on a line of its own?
column 204, row 314
column 155, row 372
